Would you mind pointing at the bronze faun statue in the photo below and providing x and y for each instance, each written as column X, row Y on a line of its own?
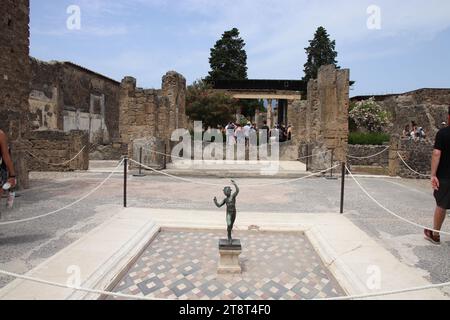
column 230, row 201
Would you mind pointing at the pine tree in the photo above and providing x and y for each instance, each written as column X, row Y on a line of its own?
column 228, row 58
column 320, row 52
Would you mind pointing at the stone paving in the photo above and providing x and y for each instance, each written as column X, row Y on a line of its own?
column 24, row 246
column 183, row 265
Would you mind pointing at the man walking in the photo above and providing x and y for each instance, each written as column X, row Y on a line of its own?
column 440, row 181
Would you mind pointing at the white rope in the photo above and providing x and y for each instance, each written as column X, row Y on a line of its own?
column 65, row 207
column 134, row 297
column 99, row 292
column 388, row 293
column 55, row 164
column 221, row 185
column 372, row 156
column 418, row 173
column 390, row 211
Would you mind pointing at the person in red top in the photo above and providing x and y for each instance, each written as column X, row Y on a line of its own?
column 440, row 181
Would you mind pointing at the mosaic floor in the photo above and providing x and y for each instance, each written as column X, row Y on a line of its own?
column 183, row 265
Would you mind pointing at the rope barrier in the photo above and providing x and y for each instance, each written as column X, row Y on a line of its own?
column 67, row 206
column 418, row 173
column 390, row 211
column 221, row 185
column 55, row 164
column 388, row 293
column 59, row 285
column 134, row 297
column 368, row 157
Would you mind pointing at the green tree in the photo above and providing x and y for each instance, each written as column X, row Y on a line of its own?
column 228, row 58
column 321, row 51
column 212, row 108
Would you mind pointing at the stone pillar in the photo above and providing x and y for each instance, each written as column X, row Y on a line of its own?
column 269, row 113
column 78, row 140
column 276, row 114
column 238, row 114
column 395, row 146
column 257, row 118
column 174, row 88
column 15, row 76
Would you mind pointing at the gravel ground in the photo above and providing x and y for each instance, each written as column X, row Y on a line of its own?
column 25, row 245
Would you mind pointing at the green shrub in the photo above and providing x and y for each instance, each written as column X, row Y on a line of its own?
column 371, row 138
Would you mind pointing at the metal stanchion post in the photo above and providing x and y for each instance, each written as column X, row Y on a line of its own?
column 332, row 158
column 125, row 174
column 343, row 186
column 165, row 157
column 307, row 157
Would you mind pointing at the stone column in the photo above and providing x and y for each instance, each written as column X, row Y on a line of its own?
column 269, row 113
column 395, row 146
column 257, row 117
column 238, row 114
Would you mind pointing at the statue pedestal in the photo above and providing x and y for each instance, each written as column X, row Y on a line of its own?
column 229, row 257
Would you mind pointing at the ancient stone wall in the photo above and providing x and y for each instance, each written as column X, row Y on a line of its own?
column 326, row 118
column 365, row 152
column 52, row 150
column 147, row 113
column 15, row 78
column 296, row 114
column 417, row 154
column 67, row 97
column 427, row 107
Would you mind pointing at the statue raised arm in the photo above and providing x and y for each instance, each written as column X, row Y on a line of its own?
column 230, row 201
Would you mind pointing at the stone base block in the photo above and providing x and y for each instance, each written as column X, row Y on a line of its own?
column 229, row 257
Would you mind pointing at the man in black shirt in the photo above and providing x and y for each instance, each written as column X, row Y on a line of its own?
column 440, row 181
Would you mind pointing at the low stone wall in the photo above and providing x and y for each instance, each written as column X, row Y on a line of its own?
column 57, row 147
column 418, row 156
column 363, row 151
column 113, row 151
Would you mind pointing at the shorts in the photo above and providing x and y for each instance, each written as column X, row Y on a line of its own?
column 442, row 195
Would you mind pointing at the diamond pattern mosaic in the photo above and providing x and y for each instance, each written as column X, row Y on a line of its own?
column 183, row 265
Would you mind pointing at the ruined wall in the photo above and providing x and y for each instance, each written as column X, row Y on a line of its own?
column 427, row 107
column 51, row 150
column 417, row 154
column 326, row 118
column 296, row 114
column 68, row 97
column 364, row 151
column 147, row 113
column 15, row 78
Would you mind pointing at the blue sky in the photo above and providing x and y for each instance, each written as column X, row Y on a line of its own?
column 146, row 38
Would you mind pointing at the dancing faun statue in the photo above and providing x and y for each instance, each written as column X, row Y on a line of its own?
column 230, row 201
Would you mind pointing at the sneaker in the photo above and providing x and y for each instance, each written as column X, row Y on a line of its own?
column 429, row 235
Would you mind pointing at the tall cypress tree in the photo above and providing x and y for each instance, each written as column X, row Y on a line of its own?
column 228, row 58
column 321, row 51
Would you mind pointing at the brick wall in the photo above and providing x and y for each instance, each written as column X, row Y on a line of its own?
column 57, row 147
column 381, row 160
column 418, row 156
column 146, row 113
